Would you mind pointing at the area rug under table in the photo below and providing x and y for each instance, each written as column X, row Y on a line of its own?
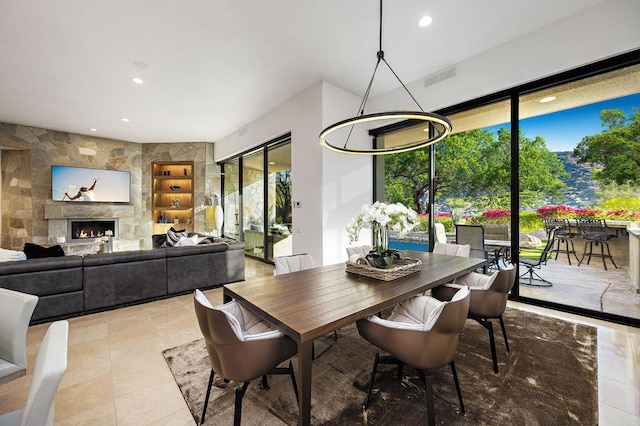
column 549, row 378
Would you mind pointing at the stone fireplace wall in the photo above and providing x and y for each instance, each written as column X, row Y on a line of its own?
column 29, row 214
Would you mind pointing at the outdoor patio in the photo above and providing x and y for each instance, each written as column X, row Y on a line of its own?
column 590, row 286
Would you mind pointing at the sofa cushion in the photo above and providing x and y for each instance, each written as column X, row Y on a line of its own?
column 34, row 251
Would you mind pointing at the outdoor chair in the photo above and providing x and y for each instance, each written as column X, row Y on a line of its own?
column 488, row 300
column 15, row 314
column 473, row 235
column 501, row 253
column 440, row 233
column 421, row 332
column 595, row 232
column 241, row 347
column 563, row 237
column 532, row 260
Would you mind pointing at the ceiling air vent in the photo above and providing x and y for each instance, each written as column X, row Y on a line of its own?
column 442, row 75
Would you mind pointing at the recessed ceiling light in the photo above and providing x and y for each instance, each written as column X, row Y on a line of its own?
column 272, row 162
column 547, row 99
column 126, row 120
column 137, row 80
column 92, row 129
column 425, row 21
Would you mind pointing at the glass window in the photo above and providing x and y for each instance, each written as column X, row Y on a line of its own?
column 591, row 127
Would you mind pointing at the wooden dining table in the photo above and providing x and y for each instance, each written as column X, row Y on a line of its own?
column 311, row 303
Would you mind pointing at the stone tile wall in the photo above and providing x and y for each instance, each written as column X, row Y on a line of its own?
column 29, row 214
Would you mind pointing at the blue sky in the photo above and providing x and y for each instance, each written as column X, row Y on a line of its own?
column 563, row 130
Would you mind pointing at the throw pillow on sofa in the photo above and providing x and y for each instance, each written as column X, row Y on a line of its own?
column 34, row 251
column 10, row 255
column 174, row 236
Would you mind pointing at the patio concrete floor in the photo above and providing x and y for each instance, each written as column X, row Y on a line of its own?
column 588, row 286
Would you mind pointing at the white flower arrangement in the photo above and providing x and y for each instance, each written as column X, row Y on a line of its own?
column 395, row 217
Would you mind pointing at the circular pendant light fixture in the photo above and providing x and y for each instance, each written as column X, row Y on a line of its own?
column 439, row 126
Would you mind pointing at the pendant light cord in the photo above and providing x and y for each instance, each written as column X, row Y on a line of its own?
column 438, row 122
column 380, row 56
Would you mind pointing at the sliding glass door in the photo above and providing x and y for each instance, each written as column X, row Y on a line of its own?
column 592, row 128
column 258, row 200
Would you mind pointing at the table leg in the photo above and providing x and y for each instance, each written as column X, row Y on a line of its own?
column 304, row 379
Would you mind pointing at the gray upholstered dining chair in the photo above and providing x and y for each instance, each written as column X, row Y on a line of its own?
column 16, row 309
column 294, row 263
column 241, row 347
column 50, row 366
column 359, row 250
column 488, row 300
column 462, row 250
column 421, row 332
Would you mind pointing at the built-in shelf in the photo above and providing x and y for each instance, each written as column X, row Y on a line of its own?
column 172, row 195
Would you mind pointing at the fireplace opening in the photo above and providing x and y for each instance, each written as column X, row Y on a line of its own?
column 83, row 229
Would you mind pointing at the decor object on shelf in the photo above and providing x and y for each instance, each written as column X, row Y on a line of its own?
column 438, row 126
column 172, row 193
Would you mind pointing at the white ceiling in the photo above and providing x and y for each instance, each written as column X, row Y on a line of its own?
column 211, row 67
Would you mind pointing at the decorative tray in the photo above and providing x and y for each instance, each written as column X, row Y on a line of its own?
column 399, row 268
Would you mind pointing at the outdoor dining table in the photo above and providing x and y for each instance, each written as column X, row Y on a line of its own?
column 311, row 303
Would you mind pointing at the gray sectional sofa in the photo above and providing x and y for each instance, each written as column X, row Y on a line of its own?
column 73, row 285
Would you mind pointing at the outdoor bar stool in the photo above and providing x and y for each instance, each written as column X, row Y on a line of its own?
column 563, row 237
column 595, row 232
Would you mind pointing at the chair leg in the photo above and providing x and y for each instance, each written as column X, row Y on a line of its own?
column 431, row 409
column 457, row 383
column 604, row 261
column 584, row 253
column 206, row 398
column 265, row 383
column 504, row 333
column 609, row 255
column 530, row 272
column 373, row 375
column 492, row 341
column 237, row 415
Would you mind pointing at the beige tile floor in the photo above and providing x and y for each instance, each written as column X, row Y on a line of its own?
column 117, row 376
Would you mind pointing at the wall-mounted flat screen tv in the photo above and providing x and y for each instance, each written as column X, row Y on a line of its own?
column 92, row 185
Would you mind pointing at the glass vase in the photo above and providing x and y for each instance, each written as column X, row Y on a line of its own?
column 380, row 237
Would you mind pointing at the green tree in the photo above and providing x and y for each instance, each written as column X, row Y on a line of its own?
column 615, row 151
column 474, row 165
column 283, row 196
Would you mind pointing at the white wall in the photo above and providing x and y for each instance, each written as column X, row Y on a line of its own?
column 346, row 179
column 607, row 29
column 302, row 116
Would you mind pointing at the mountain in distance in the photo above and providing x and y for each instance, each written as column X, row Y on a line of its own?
column 580, row 190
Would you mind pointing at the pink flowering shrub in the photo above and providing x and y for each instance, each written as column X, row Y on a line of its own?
column 564, row 212
column 555, row 212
